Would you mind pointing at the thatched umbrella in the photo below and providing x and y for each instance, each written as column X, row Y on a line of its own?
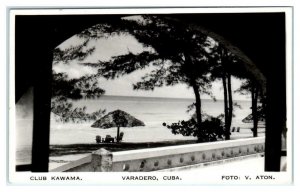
column 249, row 119
column 260, row 115
column 117, row 118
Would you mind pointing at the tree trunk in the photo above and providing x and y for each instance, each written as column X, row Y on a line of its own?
column 230, row 103
column 227, row 128
column 254, row 95
column 193, row 83
column 197, row 104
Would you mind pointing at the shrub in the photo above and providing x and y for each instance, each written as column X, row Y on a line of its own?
column 212, row 129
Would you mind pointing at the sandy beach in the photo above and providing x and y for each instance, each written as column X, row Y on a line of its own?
column 62, row 154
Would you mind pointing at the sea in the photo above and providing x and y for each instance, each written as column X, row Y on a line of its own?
column 151, row 110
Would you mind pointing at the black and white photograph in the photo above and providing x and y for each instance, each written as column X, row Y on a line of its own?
column 151, row 96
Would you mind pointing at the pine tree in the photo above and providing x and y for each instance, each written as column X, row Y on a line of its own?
column 252, row 87
column 177, row 55
column 64, row 88
column 223, row 67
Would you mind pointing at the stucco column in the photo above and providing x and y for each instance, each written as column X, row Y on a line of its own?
column 102, row 160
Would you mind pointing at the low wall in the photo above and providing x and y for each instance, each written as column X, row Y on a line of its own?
column 165, row 157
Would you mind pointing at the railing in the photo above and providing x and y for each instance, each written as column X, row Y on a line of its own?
column 165, row 157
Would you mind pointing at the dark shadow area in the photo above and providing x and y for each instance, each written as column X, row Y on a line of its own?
column 59, row 150
column 261, row 36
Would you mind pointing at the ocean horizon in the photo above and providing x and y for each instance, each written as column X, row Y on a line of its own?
column 167, row 98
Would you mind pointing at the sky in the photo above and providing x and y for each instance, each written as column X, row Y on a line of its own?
column 115, row 45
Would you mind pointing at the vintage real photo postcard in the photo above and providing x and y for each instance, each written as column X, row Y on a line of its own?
column 160, row 96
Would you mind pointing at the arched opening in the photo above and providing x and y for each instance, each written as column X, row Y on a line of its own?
column 58, row 28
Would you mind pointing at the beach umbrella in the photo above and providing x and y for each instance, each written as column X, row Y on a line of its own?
column 117, row 118
column 260, row 115
column 249, row 119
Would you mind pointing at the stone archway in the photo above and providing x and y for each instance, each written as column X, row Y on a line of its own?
column 37, row 36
